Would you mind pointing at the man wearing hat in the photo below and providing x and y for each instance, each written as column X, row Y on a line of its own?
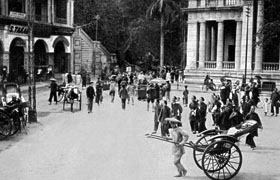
column 90, row 95
column 53, row 88
column 179, row 137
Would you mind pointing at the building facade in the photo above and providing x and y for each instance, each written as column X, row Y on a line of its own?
column 91, row 55
column 221, row 36
column 52, row 31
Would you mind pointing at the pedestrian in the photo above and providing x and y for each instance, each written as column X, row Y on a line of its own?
column 90, row 96
column 150, row 96
column 185, row 96
column 255, row 94
column 69, row 78
column 53, row 88
column 193, row 117
column 202, row 112
column 99, row 90
column 123, row 93
column 84, row 78
column 252, row 115
column 165, row 112
column 176, row 109
column 112, row 90
column 156, row 115
column 265, row 106
column 246, row 106
column 216, row 110
column 168, row 90
column 275, row 98
column 179, row 138
column 131, row 92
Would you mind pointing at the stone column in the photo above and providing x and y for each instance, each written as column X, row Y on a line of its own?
column 208, row 43
column 213, row 44
column 259, row 49
column 238, row 45
column 220, row 45
column 192, row 45
column 202, row 44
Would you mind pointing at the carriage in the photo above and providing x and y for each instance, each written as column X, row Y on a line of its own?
column 14, row 110
column 218, row 155
column 72, row 96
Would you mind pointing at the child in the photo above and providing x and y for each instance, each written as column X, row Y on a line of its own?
column 179, row 137
column 265, row 106
column 53, row 89
column 185, row 96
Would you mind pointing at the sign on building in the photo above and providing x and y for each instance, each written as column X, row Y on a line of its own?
column 17, row 15
column 18, row 29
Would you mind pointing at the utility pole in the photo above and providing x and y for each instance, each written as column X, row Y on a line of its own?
column 32, row 114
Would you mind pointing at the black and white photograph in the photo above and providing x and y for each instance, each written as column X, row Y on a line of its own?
column 139, row 89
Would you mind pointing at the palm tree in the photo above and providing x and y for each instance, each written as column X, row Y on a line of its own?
column 168, row 11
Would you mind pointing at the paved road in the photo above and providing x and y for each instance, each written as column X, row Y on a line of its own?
column 109, row 144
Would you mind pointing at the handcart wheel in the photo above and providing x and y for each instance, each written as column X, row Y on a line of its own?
column 5, row 125
column 221, row 160
column 16, row 124
column 202, row 144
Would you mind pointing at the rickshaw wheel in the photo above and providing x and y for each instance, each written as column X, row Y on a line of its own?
column 5, row 125
column 16, row 124
column 221, row 160
column 202, row 142
column 60, row 96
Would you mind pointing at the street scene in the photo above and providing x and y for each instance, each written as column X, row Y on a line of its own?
column 154, row 89
column 110, row 143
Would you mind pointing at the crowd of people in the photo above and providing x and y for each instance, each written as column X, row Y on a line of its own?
column 229, row 107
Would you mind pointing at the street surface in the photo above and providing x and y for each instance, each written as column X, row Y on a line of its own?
column 109, row 144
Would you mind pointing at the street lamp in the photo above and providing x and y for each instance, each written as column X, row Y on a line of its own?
column 248, row 3
column 97, row 17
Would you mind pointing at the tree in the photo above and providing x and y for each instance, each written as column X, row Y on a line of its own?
column 168, row 12
column 269, row 35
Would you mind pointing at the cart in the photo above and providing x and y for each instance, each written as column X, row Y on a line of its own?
column 220, row 158
column 72, row 95
column 14, row 110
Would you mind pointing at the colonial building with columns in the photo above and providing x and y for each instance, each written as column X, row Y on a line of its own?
column 221, row 36
column 52, row 32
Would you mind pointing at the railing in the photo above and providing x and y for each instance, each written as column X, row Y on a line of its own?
column 231, row 2
column 211, row 3
column 270, row 66
column 228, row 65
column 41, row 18
column 210, row 64
column 60, row 20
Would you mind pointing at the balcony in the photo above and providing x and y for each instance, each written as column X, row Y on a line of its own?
column 228, row 65
column 210, row 64
column 60, row 20
column 268, row 66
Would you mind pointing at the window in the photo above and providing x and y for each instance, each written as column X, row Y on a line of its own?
column 60, row 11
column 16, row 6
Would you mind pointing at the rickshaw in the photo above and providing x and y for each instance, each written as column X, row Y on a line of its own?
column 218, row 155
column 72, row 94
column 14, row 110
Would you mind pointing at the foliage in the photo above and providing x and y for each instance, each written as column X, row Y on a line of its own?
column 123, row 29
column 269, row 35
